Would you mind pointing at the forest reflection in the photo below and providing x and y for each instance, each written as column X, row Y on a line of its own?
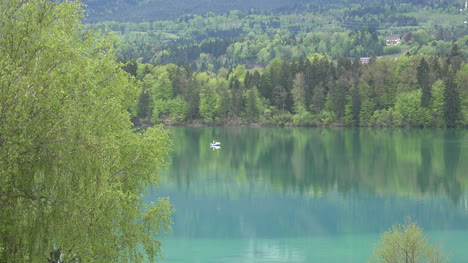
column 315, row 161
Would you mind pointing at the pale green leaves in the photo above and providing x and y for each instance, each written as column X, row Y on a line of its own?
column 71, row 169
column 407, row 243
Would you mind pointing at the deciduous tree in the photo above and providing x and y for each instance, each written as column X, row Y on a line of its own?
column 406, row 243
column 71, row 169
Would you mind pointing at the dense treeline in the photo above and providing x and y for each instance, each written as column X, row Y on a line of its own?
column 409, row 90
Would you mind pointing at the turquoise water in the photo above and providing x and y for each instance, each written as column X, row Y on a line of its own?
column 312, row 195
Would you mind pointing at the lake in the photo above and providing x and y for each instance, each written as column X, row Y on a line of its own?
column 311, row 194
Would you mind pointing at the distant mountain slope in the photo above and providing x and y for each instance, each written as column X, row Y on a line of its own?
column 141, row 10
column 151, row 10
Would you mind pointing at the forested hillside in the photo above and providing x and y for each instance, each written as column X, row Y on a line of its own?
column 254, row 38
column 309, row 63
column 151, row 10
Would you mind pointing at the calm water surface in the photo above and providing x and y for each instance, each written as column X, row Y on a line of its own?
column 312, row 195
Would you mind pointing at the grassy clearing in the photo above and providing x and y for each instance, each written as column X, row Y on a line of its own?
column 431, row 18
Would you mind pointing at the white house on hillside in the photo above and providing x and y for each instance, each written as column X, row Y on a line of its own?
column 393, row 40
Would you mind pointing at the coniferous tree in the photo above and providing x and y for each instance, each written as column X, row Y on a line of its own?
column 455, row 58
column 356, row 104
column 144, row 103
column 436, row 69
column 265, row 86
column 280, row 97
column 309, row 83
column 423, row 78
column 298, row 92
column 237, row 92
column 285, row 81
column 338, row 98
column 452, row 101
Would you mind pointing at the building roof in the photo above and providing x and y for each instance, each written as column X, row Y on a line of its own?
column 392, row 37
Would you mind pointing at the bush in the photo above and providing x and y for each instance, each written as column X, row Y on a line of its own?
column 282, row 119
column 388, row 50
column 303, row 117
column 386, row 118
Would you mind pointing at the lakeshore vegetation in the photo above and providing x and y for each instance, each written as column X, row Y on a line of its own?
column 411, row 90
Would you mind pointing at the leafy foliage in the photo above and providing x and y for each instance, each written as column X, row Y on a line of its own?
column 250, row 37
column 72, row 170
column 316, row 91
column 407, row 243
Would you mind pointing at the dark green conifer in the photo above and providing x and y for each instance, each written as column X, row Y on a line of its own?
column 424, row 82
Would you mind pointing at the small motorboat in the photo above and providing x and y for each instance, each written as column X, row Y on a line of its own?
column 215, row 144
column 215, row 147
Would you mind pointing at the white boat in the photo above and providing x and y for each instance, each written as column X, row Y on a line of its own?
column 215, row 144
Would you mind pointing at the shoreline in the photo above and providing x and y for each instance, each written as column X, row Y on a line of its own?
column 198, row 123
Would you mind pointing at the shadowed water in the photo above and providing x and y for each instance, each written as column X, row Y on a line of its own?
column 310, row 194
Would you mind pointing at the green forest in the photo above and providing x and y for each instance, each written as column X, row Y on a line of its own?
column 150, row 10
column 253, row 38
column 305, row 64
column 419, row 91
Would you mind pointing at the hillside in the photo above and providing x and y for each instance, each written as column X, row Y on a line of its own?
column 151, row 10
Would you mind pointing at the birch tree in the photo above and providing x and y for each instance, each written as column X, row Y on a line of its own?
column 406, row 243
column 72, row 171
